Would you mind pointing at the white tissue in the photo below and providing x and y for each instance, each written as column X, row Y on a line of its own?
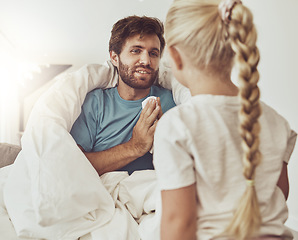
column 147, row 100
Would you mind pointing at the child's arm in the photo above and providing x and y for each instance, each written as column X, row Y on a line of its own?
column 179, row 213
column 283, row 181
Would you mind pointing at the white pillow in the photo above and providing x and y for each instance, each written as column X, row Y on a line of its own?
column 166, row 79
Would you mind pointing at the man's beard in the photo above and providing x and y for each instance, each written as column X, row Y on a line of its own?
column 127, row 76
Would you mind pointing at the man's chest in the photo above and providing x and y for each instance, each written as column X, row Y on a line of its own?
column 115, row 126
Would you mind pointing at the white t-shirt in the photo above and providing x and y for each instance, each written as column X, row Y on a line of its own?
column 198, row 142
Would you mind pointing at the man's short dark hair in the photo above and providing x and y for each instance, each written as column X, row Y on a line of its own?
column 133, row 25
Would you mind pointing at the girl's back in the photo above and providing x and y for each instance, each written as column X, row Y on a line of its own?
column 206, row 129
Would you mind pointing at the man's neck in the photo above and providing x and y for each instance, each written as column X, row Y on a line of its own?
column 131, row 94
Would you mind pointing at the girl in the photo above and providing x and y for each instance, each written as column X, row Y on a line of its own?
column 221, row 158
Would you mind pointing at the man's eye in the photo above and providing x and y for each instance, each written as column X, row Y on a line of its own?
column 135, row 51
column 154, row 54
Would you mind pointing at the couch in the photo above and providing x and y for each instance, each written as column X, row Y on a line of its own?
column 8, row 153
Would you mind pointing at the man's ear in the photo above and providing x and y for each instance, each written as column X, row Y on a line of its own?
column 114, row 58
column 174, row 52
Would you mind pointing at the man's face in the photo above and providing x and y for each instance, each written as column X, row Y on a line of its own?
column 138, row 61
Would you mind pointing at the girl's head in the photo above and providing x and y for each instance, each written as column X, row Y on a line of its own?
column 196, row 28
column 213, row 35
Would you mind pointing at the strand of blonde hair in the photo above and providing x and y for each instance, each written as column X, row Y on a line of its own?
column 247, row 218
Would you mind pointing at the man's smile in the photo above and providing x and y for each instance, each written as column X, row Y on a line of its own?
column 143, row 72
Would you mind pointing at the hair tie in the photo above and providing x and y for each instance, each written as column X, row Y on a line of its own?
column 225, row 8
column 250, row 182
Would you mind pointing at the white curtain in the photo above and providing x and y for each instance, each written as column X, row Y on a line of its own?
column 9, row 106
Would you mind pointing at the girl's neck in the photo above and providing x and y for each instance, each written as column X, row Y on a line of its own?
column 214, row 87
column 204, row 82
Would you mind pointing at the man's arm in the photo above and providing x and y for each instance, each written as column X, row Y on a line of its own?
column 139, row 144
column 179, row 214
column 283, row 182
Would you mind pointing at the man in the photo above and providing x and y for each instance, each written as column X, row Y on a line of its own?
column 113, row 131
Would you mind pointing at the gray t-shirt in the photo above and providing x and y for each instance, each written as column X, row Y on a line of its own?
column 107, row 120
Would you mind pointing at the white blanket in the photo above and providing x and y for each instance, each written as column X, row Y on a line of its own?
column 53, row 192
column 134, row 198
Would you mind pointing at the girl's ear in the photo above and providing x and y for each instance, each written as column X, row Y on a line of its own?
column 176, row 56
column 114, row 58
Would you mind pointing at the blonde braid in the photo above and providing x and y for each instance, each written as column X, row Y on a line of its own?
column 247, row 217
column 213, row 39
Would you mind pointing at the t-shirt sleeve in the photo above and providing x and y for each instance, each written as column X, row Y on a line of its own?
column 172, row 159
column 84, row 129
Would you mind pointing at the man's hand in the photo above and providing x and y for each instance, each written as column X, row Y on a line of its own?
column 143, row 132
column 140, row 143
column 159, row 104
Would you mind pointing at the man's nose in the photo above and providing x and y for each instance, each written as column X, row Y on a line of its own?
column 145, row 58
